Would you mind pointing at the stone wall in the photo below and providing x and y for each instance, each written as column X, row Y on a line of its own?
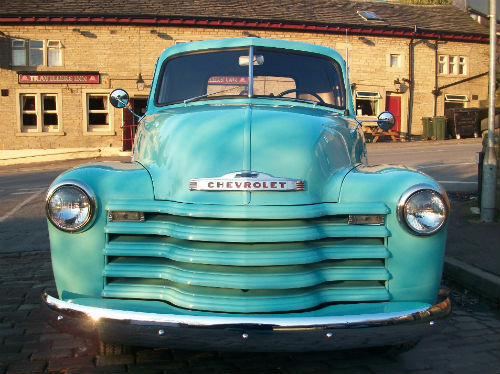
column 119, row 53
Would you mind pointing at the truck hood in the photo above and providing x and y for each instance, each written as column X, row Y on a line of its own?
column 188, row 144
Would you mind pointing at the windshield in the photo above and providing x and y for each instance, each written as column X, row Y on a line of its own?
column 276, row 74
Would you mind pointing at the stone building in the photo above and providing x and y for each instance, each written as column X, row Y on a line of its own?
column 59, row 59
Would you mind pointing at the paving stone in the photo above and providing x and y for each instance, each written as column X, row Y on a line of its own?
column 55, row 336
column 102, row 360
column 25, row 367
column 59, row 364
column 7, row 357
column 151, row 355
column 10, row 348
column 145, row 369
column 53, row 353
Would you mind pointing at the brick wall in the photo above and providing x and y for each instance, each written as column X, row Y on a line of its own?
column 115, row 51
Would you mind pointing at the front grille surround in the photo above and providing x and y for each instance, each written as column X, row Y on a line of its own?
column 283, row 264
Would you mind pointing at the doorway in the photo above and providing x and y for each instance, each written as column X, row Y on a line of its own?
column 130, row 122
column 393, row 105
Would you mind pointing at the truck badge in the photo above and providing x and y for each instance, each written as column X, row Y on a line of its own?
column 246, row 181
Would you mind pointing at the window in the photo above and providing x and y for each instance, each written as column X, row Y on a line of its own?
column 368, row 16
column 460, row 98
column 367, row 103
column 97, row 114
column 36, row 53
column 462, row 66
column 442, row 68
column 19, row 53
column 54, row 53
column 395, row 61
column 39, row 113
column 453, row 65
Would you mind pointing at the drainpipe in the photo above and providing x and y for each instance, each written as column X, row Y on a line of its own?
column 410, row 94
column 436, row 87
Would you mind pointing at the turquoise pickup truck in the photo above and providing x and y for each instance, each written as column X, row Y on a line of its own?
column 248, row 218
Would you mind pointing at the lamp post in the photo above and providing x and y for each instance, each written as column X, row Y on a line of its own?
column 490, row 162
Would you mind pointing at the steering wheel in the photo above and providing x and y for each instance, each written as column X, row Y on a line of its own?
column 286, row 92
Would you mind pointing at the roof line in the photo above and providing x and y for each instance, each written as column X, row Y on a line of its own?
column 375, row 30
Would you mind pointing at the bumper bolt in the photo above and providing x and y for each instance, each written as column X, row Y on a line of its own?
column 59, row 318
column 329, row 335
column 161, row 332
column 244, row 335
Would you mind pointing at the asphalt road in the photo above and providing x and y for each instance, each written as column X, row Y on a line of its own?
column 451, row 162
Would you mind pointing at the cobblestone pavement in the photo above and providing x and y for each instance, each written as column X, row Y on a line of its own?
column 470, row 343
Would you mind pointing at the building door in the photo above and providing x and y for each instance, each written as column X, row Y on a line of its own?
column 393, row 105
column 130, row 122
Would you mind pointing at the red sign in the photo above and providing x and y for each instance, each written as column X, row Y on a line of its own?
column 228, row 80
column 59, row 78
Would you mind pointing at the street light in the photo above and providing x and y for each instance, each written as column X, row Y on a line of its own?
column 140, row 82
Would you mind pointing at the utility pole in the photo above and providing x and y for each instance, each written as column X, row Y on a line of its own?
column 490, row 162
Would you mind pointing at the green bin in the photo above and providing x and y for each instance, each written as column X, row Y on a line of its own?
column 427, row 125
column 439, row 126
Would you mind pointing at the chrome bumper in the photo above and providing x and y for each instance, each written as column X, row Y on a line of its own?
column 241, row 333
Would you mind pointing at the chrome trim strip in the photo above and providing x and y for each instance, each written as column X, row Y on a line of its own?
column 437, row 311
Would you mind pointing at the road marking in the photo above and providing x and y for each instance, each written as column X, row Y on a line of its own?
column 457, row 182
column 18, row 207
column 445, row 165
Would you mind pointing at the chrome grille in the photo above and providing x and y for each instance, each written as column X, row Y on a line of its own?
column 246, row 265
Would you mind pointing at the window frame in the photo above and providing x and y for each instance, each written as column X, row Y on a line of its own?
column 372, row 96
column 28, row 48
column 456, row 65
column 40, row 129
column 109, row 130
column 59, row 49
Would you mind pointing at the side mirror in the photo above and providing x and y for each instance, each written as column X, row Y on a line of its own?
column 386, row 121
column 119, row 98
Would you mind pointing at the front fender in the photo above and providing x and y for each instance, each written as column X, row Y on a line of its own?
column 415, row 262
column 77, row 258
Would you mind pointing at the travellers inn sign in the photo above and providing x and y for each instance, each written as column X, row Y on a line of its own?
column 67, row 77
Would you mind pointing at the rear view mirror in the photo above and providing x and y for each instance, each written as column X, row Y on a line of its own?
column 386, row 121
column 257, row 60
column 119, row 98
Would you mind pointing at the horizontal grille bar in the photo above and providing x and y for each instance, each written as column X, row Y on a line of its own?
column 273, row 277
column 248, row 211
column 243, row 254
column 246, row 231
column 243, row 301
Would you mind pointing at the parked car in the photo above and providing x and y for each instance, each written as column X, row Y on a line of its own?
column 248, row 218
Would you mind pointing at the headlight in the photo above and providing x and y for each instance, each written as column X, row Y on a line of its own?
column 71, row 206
column 423, row 209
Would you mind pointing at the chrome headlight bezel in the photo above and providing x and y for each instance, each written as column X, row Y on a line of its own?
column 82, row 188
column 412, row 192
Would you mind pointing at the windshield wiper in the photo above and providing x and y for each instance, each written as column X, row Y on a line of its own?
column 208, row 94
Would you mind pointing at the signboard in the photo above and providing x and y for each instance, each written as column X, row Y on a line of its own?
column 228, row 80
column 59, row 78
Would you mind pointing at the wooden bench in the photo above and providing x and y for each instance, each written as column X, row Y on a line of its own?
column 376, row 132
